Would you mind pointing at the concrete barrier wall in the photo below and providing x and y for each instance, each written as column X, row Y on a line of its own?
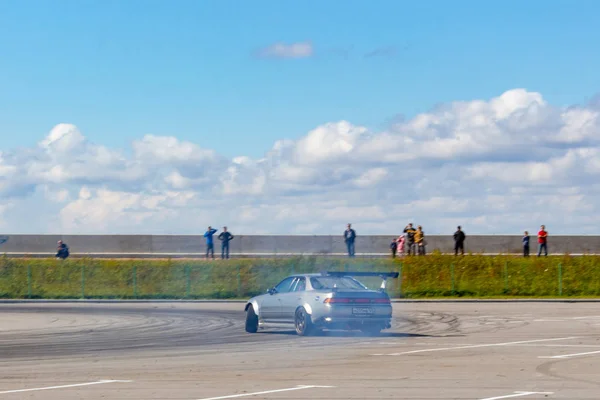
column 265, row 245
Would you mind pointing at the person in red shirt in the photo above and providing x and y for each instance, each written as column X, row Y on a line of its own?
column 543, row 241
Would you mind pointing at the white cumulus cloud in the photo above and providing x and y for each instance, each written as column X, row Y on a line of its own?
column 287, row 50
column 499, row 165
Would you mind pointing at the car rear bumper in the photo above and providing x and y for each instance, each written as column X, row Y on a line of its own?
column 353, row 322
column 353, row 312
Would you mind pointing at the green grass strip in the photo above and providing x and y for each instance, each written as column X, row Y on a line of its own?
column 435, row 276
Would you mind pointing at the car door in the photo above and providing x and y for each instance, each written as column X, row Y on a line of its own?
column 270, row 307
column 291, row 300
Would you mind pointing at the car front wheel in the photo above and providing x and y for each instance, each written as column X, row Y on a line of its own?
column 251, row 320
column 303, row 322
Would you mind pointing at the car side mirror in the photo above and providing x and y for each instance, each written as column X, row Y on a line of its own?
column 272, row 291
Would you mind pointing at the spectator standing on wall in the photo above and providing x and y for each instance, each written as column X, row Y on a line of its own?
column 210, row 246
column 62, row 250
column 526, row 244
column 459, row 241
column 225, row 237
column 410, row 238
column 543, row 241
column 349, row 238
column 394, row 247
column 420, row 240
column 401, row 241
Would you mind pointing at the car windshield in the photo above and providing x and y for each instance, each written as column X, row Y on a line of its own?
column 329, row 282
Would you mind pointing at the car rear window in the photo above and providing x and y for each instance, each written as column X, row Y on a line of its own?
column 329, row 282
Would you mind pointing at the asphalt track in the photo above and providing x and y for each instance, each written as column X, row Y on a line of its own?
column 195, row 351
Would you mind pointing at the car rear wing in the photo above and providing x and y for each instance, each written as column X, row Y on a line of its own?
column 383, row 275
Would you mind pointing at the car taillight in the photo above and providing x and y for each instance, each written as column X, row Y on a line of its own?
column 382, row 301
column 336, row 300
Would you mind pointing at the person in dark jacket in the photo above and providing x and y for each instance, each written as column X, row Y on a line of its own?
column 410, row 238
column 62, row 250
column 526, row 244
column 210, row 246
column 394, row 247
column 225, row 237
column 459, row 241
column 349, row 238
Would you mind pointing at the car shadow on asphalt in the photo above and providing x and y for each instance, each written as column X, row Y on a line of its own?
column 357, row 334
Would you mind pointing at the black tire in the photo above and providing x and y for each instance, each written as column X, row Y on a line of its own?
column 303, row 322
column 251, row 320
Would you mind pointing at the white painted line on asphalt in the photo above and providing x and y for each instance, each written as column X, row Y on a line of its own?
column 584, row 346
column 302, row 387
column 388, row 343
column 572, row 355
column 548, row 320
column 63, row 386
column 475, row 346
column 517, row 394
column 588, row 317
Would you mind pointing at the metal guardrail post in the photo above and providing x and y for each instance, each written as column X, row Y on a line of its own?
column 29, row 283
column 505, row 277
column 135, row 288
column 239, row 281
column 400, row 281
column 83, row 281
column 188, row 281
column 452, row 277
column 560, row 280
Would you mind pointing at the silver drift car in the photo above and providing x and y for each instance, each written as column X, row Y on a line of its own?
column 329, row 300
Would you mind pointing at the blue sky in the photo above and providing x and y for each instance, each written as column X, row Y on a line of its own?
column 122, row 69
column 125, row 116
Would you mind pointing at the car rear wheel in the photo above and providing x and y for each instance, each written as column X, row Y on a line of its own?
column 251, row 320
column 303, row 322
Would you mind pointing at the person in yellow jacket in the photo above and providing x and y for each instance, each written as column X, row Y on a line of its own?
column 420, row 240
